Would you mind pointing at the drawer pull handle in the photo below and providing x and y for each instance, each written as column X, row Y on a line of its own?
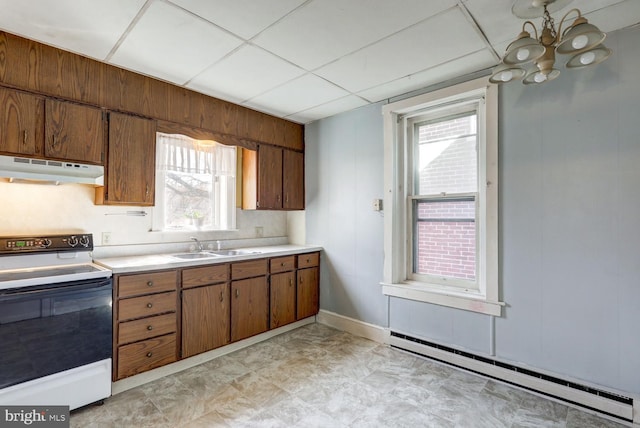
column 149, row 305
column 150, row 283
column 149, row 354
column 149, row 327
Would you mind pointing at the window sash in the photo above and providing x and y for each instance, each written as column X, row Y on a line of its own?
column 183, row 155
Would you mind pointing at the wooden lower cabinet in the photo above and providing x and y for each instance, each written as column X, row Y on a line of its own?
column 145, row 322
column 205, row 318
column 148, row 354
column 282, row 299
column 249, row 307
column 308, row 302
column 163, row 316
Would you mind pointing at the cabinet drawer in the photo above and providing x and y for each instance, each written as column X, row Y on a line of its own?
column 132, row 331
column 308, row 260
column 146, row 355
column 145, row 283
column 249, row 269
column 144, row 306
column 194, row 277
column 282, row 264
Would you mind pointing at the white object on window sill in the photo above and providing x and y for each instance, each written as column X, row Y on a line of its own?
column 466, row 300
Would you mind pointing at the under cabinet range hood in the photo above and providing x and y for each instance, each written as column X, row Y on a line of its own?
column 17, row 169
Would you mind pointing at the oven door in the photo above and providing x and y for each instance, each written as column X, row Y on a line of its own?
column 53, row 328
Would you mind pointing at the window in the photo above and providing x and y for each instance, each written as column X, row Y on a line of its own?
column 441, row 182
column 195, row 184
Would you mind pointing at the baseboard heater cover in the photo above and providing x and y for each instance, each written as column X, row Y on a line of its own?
column 605, row 402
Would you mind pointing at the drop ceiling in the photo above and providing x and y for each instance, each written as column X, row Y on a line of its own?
column 297, row 59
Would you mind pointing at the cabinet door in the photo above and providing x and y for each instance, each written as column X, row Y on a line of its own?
column 283, row 299
column 293, row 180
column 74, row 132
column 308, row 293
column 205, row 318
column 21, row 117
column 249, row 307
column 269, row 177
column 131, row 161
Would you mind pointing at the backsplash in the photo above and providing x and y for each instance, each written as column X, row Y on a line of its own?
column 27, row 209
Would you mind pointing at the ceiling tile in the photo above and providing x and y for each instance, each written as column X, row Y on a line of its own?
column 88, row 27
column 440, row 73
column 329, row 109
column 245, row 73
column 172, row 44
column 620, row 15
column 297, row 95
column 324, row 30
column 442, row 38
column 246, row 18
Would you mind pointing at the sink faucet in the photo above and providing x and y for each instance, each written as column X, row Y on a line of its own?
column 198, row 243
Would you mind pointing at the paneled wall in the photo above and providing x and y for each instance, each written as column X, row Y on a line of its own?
column 569, row 261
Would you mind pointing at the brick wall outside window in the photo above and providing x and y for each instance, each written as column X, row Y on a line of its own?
column 446, row 231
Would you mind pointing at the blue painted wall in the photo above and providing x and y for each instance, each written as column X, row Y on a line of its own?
column 569, row 156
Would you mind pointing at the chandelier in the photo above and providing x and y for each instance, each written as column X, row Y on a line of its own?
column 533, row 59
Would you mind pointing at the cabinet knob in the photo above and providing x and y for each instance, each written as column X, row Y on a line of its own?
column 290, row 283
column 149, row 327
column 54, row 141
column 149, row 354
column 149, row 305
column 237, row 292
column 150, row 283
column 221, row 297
column 281, row 264
column 146, row 190
column 24, row 137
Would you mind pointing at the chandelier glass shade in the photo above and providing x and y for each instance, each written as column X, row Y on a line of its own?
column 533, row 58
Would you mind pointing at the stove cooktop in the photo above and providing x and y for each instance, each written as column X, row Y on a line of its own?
column 17, row 278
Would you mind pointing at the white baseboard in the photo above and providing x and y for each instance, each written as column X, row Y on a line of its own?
column 353, row 326
column 187, row 363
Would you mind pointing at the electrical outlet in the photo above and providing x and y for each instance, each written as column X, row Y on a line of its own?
column 259, row 231
column 106, row 238
column 377, row 204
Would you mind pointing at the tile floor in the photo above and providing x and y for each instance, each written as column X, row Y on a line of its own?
column 316, row 376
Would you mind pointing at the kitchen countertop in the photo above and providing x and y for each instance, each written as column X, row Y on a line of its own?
column 142, row 263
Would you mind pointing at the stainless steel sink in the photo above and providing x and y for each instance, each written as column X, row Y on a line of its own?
column 194, row 256
column 233, row 252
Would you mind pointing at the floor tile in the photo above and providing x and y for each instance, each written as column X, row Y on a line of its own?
column 316, row 376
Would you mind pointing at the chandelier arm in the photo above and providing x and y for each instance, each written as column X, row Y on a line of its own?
column 535, row 31
column 560, row 33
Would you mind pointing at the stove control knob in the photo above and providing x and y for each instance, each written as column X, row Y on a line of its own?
column 46, row 242
column 84, row 241
column 73, row 241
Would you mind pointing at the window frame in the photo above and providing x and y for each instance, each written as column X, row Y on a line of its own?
column 399, row 185
column 216, row 191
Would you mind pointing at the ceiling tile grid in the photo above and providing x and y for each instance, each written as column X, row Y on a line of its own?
column 298, row 59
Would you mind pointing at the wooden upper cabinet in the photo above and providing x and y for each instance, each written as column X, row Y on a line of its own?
column 272, row 179
column 21, row 122
column 131, row 162
column 293, row 180
column 269, row 177
column 74, row 132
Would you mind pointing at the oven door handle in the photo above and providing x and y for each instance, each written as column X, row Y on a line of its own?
column 65, row 287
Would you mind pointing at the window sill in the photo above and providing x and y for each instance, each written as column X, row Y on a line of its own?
column 421, row 292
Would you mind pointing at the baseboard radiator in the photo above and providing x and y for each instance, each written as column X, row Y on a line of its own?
column 605, row 402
